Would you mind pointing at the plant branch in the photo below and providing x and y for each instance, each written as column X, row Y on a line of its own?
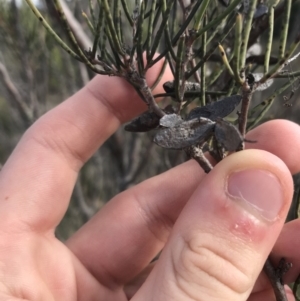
column 23, row 108
column 285, row 27
column 51, row 31
column 275, row 277
column 270, row 40
column 246, row 33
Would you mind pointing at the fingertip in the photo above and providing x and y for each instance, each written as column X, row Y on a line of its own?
column 280, row 137
column 263, row 177
column 255, row 180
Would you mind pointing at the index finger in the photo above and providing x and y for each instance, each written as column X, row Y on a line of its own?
column 38, row 178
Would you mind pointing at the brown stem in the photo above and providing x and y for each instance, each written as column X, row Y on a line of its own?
column 197, row 154
column 275, row 277
column 149, row 99
column 140, row 84
column 243, row 116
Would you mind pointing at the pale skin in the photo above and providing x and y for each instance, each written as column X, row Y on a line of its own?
column 214, row 245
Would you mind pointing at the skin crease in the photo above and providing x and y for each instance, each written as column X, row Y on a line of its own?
column 104, row 255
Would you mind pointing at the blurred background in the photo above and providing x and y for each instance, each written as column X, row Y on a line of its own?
column 36, row 75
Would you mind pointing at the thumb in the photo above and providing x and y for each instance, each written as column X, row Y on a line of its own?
column 225, row 233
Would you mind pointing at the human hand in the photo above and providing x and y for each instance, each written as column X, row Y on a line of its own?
column 214, row 246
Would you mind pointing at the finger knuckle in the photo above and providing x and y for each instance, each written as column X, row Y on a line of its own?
column 207, row 266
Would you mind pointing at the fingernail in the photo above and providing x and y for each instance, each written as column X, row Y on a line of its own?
column 259, row 191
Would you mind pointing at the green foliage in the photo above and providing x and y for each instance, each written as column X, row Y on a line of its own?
column 194, row 39
column 124, row 30
column 203, row 42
